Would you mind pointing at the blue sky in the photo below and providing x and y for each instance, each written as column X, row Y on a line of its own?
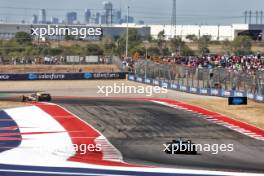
column 151, row 11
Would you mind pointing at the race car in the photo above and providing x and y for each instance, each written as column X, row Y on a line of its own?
column 180, row 146
column 39, row 96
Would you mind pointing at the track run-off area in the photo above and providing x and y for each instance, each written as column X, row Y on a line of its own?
column 37, row 139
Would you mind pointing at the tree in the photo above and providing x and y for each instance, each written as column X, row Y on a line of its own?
column 176, row 44
column 166, row 52
column 11, row 46
column 120, row 46
column 108, row 45
column 242, row 45
column 134, row 40
column 69, row 37
column 192, row 37
column 226, row 46
column 28, row 51
column 179, row 46
column 203, row 43
column 45, row 51
column 93, row 49
column 15, row 54
column 23, row 38
column 133, row 37
column 161, row 41
column 1, row 47
column 153, row 51
column 55, row 51
column 137, row 49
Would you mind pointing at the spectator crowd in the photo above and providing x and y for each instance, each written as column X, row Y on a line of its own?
column 248, row 64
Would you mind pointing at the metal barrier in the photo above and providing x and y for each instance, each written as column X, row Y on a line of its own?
column 214, row 81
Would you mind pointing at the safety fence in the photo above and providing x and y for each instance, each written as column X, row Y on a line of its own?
column 214, row 81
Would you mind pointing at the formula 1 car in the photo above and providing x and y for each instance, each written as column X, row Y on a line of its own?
column 39, row 96
column 180, row 146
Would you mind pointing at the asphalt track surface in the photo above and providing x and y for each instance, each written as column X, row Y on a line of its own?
column 138, row 129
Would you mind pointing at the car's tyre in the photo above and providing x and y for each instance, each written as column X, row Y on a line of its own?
column 24, row 98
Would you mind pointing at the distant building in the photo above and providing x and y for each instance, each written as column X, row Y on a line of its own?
column 92, row 19
column 141, row 22
column 117, row 18
column 71, row 17
column 107, row 16
column 42, row 16
column 130, row 19
column 102, row 19
column 87, row 16
column 54, row 20
column 97, row 18
column 34, row 19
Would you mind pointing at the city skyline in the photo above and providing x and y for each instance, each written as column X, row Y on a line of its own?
column 188, row 11
column 108, row 15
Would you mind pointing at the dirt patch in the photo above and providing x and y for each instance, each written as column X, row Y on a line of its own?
column 10, row 104
column 253, row 113
column 57, row 68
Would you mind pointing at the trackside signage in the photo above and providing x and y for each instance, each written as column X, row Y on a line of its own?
column 237, row 101
column 4, row 77
column 51, row 76
column 108, row 76
column 62, row 76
